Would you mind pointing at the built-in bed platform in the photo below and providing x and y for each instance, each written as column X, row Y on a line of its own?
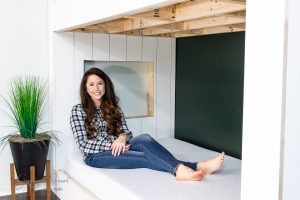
column 146, row 184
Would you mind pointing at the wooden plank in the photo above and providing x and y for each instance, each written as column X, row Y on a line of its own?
column 132, row 33
column 134, row 48
column 203, row 8
column 32, row 182
column 112, row 26
column 183, row 12
column 212, row 30
column 165, row 14
column 173, row 77
column 157, row 31
column 212, row 21
column 159, row 21
column 165, row 35
column 198, row 24
column 48, row 179
column 90, row 29
column 100, row 47
column 149, row 53
column 134, row 53
column 12, row 181
column 177, row 26
column 134, row 24
column 236, row 14
column 243, row 2
column 150, row 89
column 163, row 87
column 117, row 51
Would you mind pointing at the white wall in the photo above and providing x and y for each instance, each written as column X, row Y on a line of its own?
column 71, row 49
column 72, row 13
column 23, row 50
column 291, row 178
column 263, row 99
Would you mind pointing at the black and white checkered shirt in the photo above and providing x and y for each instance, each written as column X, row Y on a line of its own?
column 101, row 141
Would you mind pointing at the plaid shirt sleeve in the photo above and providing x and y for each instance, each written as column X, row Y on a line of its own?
column 124, row 127
column 98, row 144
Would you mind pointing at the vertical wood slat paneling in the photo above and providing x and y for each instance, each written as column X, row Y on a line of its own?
column 83, row 51
column 63, row 98
column 100, row 47
column 149, row 54
column 134, row 48
column 133, row 53
column 172, row 88
column 163, row 87
column 117, row 47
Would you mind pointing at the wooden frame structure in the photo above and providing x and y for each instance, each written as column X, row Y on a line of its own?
column 183, row 19
column 150, row 92
column 30, row 183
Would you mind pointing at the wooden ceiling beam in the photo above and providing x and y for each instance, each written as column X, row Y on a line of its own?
column 204, row 8
column 157, row 31
column 241, row 26
column 197, row 24
column 168, row 28
column 166, row 13
column 177, row 18
column 176, row 26
column 212, row 21
column 235, row 1
column 111, row 26
column 184, row 11
column 240, row 14
column 90, row 30
column 210, row 30
column 132, row 33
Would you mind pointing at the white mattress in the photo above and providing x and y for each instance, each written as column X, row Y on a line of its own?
column 146, row 184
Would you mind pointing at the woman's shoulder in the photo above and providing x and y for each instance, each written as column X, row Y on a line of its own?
column 77, row 108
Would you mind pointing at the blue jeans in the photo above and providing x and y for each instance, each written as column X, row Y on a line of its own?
column 145, row 152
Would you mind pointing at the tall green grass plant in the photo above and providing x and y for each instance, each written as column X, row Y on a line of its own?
column 26, row 101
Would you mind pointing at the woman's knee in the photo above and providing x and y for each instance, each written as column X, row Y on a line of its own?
column 146, row 137
column 142, row 138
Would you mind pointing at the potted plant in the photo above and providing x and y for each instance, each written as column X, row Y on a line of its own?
column 26, row 102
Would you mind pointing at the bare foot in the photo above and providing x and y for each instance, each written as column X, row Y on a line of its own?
column 210, row 166
column 184, row 173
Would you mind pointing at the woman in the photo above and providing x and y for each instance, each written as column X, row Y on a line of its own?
column 100, row 130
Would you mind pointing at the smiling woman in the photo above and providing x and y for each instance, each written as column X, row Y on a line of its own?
column 100, row 130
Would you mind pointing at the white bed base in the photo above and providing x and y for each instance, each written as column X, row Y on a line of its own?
column 145, row 184
column 68, row 188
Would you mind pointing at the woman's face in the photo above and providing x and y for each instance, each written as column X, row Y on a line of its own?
column 95, row 87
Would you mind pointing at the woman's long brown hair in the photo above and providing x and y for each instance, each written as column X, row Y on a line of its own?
column 109, row 105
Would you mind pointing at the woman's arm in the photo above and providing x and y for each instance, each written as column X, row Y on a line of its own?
column 98, row 144
column 125, row 131
column 119, row 145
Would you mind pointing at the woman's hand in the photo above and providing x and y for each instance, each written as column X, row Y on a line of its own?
column 119, row 146
column 127, row 147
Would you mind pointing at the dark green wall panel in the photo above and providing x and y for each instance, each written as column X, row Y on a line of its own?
column 209, row 91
